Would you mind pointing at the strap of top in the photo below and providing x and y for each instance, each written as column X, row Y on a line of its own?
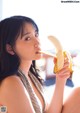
column 36, row 105
column 39, row 87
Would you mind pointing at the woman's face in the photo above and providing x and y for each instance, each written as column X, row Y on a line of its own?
column 28, row 47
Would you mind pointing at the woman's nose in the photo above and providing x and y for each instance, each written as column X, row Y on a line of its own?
column 37, row 43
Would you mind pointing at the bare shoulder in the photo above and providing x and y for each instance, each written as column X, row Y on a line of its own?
column 11, row 83
column 14, row 95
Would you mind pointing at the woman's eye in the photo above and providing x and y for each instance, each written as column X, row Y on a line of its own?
column 27, row 38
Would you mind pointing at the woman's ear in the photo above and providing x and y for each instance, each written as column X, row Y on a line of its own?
column 9, row 49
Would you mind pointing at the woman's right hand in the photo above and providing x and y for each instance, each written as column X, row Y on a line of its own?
column 64, row 73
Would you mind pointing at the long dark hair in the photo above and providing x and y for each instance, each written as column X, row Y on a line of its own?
column 10, row 29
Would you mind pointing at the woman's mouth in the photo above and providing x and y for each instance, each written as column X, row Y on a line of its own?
column 38, row 52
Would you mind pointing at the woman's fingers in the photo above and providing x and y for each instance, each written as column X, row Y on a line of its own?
column 65, row 71
column 55, row 60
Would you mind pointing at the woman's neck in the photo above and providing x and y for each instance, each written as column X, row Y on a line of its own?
column 25, row 66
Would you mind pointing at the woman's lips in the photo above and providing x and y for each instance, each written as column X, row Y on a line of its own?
column 38, row 52
column 38, row 49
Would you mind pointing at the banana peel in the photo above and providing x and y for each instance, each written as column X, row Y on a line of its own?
column 60, row 55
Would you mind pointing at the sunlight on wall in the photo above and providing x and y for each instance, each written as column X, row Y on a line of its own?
column 53, row 18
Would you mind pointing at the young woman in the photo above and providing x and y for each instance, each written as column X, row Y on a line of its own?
column 21, row 89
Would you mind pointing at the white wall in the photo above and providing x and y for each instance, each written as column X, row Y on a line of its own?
column 52, row 17
column 0, row 9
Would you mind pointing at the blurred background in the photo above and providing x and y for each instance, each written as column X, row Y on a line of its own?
column 53, row 18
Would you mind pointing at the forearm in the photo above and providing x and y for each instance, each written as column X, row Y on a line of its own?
column 57, row 98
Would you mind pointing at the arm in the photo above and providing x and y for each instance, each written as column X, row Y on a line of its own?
column 15, row 96
column 56, row 103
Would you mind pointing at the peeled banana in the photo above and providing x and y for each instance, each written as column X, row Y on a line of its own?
column 60, row 55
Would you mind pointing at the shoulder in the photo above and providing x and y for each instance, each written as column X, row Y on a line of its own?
column 10, row 84
column 14, row 95
column 10, row 81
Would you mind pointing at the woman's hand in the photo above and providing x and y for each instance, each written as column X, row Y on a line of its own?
column 64, row 73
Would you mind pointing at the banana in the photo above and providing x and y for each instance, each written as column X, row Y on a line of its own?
column 60, row 55
column 47, row 53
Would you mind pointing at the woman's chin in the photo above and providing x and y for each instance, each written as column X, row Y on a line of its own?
column 38, row 56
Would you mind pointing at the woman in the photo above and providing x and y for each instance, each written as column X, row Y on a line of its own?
column 21, row 89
